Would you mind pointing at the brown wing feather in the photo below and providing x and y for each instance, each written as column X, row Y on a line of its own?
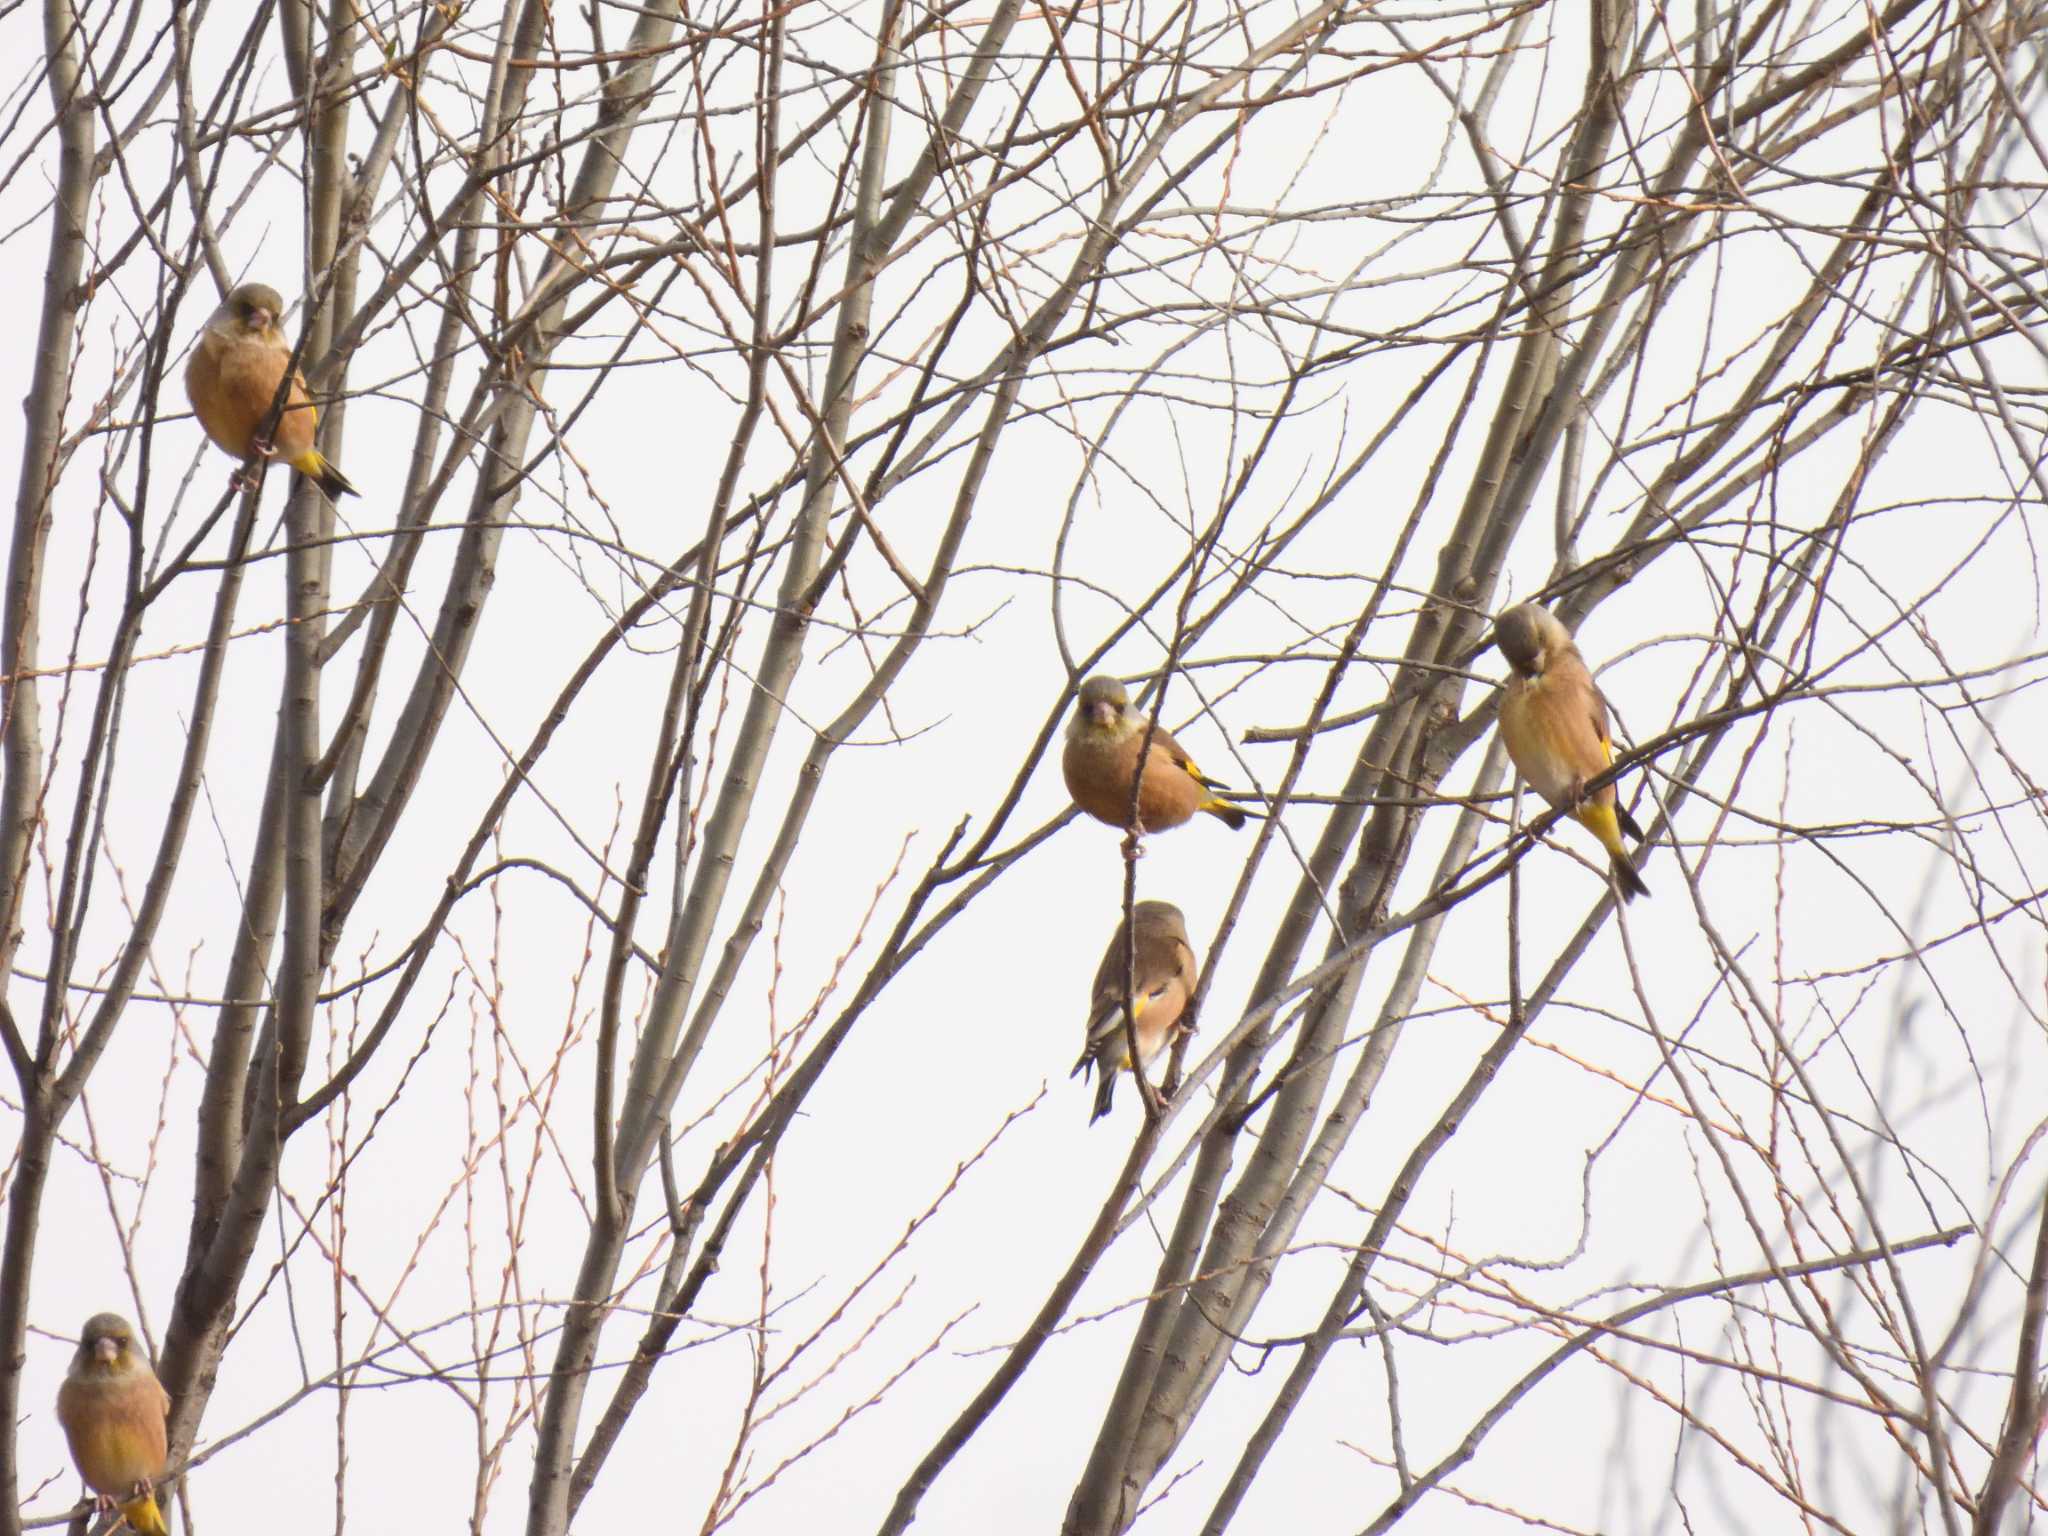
column 1596, row 705
column 1169, row 794
column 1569, row 676
column 1181, row 760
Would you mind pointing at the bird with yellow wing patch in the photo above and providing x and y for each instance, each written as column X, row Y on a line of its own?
column 233, row 377
column 113, row 1411
column 1555, row 725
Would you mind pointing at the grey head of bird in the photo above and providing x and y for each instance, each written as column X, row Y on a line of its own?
column 1161, row 915
column 1528, row 636
column 106, row 1338
column 252, row 309
column 1102, row 701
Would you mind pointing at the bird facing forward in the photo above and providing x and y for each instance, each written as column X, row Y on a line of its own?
column 113, row 1411
column 1162, row 982
column 233, row 377
column 1555, row 725
column 1101, row 758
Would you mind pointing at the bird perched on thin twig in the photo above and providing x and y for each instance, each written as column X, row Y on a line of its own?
column 233, row 377
column 1101, row 759
column 1162, row 983
column 113, row 1410
column 1555, row 725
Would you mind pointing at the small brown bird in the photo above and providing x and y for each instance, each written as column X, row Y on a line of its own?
column 233, row 377
column 1162, row 982
column 113, row 1411
column 1555, row 725
column 1101, row 758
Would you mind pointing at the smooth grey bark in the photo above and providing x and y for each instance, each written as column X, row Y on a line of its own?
column 21, row 788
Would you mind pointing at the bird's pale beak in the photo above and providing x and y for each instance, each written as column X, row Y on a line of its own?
column 1101, row 713
column 107, row 1350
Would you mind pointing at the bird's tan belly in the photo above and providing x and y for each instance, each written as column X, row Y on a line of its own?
column 114, row 1459
column 117, row 1436
column 1100, row 781
column 1549, row 757
column 231, row 389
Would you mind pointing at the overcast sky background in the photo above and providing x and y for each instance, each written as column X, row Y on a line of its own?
column 1587, row 1187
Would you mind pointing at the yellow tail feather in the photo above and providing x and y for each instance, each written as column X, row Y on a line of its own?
column 1605, row 824
column 1232, row 816
column 143, row 1515
column 314, row 465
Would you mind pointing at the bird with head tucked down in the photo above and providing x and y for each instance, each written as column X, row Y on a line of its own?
column 233, row 377
column 113, row 1411
column 1162, row 984
column 1555, row 725
column 1101, row 759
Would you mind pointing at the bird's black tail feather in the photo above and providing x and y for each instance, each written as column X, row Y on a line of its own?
column 1232, row 816
column 332, row 482
column 1105, row 1093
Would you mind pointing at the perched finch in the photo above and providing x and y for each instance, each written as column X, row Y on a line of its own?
column 1555, row 725
column 1101, row 758
column 233, row 377
column 113, row 1410
column 1162, row 982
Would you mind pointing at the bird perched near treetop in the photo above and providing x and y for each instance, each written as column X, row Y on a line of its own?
column 233, row 376
column 1554, row 722
column 1101, row 758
